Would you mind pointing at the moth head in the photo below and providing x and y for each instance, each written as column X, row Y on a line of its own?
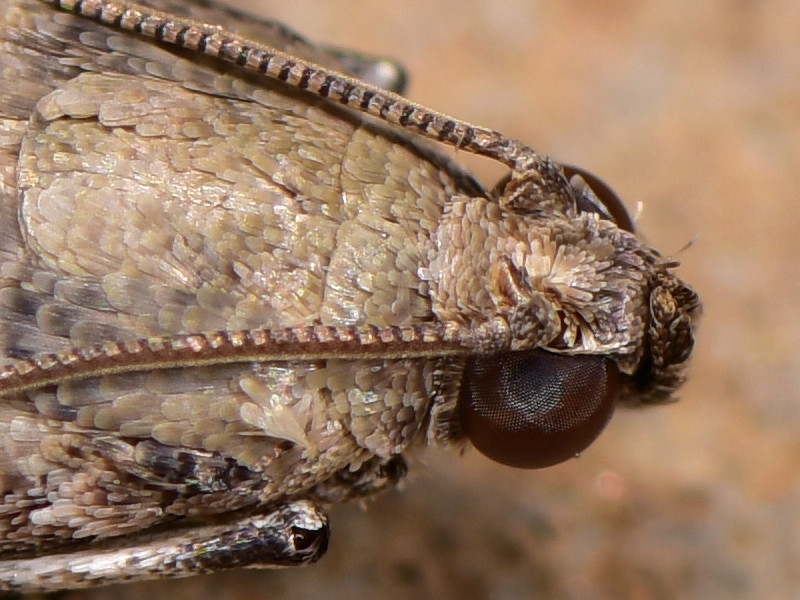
column 673, row 307
column 612, row 324
column 674, row 310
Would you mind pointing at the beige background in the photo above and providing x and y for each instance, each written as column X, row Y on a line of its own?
column 694, row 110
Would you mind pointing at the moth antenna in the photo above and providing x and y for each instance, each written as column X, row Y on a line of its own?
column 327, row 83
column 315, row 342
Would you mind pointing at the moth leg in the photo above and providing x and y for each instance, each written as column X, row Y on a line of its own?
column 383, row 72
column 293, row 534
column 375, row 475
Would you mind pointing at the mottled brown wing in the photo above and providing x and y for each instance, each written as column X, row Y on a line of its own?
column 108, row 456
column 148, row 193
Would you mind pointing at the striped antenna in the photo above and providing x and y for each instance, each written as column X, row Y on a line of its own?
column 213, row 40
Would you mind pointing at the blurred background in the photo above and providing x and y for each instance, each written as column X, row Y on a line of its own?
column 692, row 109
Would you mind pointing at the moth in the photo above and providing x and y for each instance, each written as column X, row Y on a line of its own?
column 238, row 282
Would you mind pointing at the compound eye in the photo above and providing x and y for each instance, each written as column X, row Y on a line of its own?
column 535, row 409
column 610, row 205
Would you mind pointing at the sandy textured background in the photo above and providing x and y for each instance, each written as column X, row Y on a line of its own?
column 693, row 109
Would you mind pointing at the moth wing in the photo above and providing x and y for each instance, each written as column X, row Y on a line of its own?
column 268, row 196
column 149, row 193
column 116, row 454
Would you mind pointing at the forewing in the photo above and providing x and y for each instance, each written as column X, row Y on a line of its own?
column 108, row 456
column 149, row 193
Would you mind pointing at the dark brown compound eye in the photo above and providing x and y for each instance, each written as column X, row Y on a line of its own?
column 535, row 409
column 611, row 205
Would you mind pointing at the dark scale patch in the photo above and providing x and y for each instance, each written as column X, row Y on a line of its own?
column 427, row 119
column 118, row 19
column 263, row 66
column 202, row 43
column 197, row 471
column 283, row 543
column 447, row 130
column 469, row 137
column 47, row 403
column 366, row 98
column 95, row 14
column 305, row 78
column 74, row 452
column 348, row 92
column 325, row 88
column 244, row 53
column 161, row 30
column 405, row 118
column 181, row 37
column 374, row 475
column 231, row 51
column 286, row 71
column 83, row 293
column 58, row 319
column 137, row 28
column 386, row 108
column 21, row 302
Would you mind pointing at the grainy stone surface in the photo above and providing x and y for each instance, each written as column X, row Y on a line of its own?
column 694, row 110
